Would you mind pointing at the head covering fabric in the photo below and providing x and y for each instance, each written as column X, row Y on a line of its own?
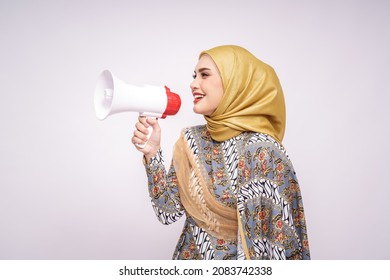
column 253, row 97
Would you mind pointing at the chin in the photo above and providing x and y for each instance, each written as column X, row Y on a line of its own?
column 198, row 110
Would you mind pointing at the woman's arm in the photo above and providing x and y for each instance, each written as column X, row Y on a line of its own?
column 163, row 190
column 162, row 186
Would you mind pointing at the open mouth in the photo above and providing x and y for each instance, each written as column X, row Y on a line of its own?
column 198, row 97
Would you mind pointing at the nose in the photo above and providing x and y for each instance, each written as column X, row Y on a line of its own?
column 194, row 84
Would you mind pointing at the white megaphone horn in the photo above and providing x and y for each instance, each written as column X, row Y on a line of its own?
column 115, row 96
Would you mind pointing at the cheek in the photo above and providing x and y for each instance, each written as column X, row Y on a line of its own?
column 219, row 88
column 215, row 100
column 218, row 100
column 218, row 94
column 215, row 87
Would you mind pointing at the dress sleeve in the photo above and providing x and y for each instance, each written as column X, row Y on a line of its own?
column 271, row 216
column 163, row 190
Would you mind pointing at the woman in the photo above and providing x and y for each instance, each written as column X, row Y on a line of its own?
column 231, row 177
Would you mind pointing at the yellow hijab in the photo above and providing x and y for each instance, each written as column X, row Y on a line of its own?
column 253, row 98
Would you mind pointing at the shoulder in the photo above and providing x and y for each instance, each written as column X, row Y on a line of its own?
column 196, row 138
column 264, row 157
column 257, row 140
column 198, row 132
column 194, row 129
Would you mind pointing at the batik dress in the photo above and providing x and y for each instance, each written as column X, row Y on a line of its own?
column 250, row 173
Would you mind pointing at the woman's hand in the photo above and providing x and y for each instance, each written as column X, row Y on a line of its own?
column 140, row 136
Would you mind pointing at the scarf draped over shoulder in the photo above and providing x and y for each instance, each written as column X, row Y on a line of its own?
column 216, row 218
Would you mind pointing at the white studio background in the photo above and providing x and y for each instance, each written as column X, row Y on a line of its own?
column 73, row 187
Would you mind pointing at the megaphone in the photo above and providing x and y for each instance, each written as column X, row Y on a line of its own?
column 112, row 96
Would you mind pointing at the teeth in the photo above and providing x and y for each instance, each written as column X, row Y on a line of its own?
column 198, row 96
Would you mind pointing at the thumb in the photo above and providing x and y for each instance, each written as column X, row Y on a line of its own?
column 153, row 122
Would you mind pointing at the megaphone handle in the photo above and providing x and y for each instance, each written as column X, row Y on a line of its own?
column 150, row 129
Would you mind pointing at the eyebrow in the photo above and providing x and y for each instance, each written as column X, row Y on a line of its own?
column 203, row 69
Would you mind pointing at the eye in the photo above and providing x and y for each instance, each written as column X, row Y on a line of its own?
column 194, row 76
column 204, row 75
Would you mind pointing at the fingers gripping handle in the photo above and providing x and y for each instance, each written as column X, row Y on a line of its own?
column 150, row 130
column 144, row 144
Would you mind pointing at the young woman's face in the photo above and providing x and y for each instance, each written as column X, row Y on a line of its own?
column 207, row 87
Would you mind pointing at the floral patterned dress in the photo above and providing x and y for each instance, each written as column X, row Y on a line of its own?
column 250, row 173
